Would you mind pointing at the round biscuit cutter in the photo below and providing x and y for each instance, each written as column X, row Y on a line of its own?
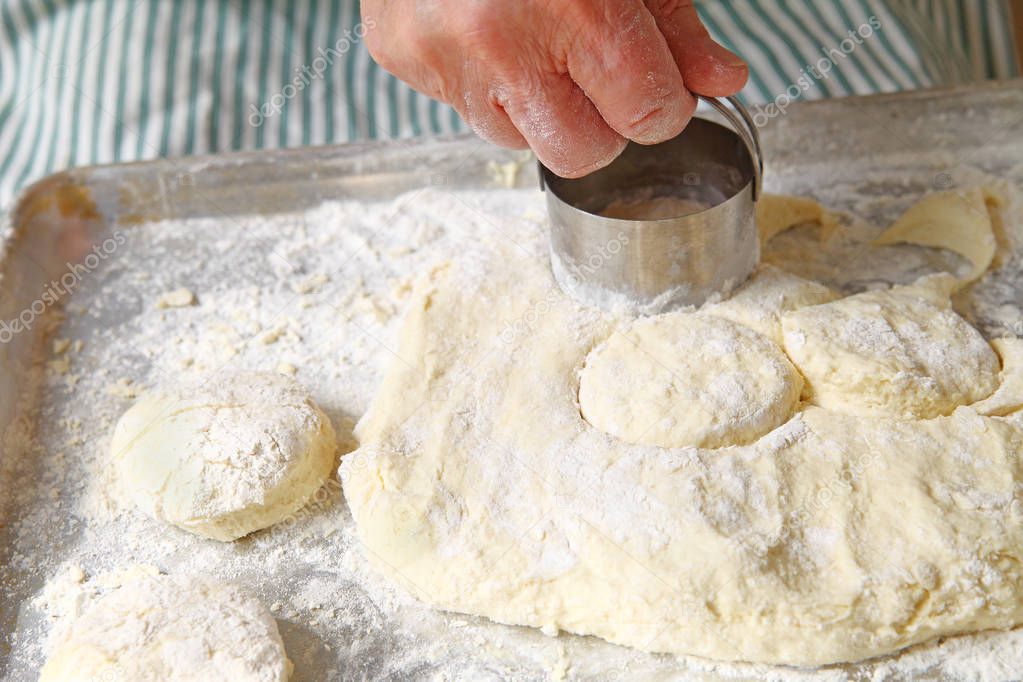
column 655, row 265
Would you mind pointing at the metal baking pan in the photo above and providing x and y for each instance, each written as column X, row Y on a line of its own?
column 871, row 155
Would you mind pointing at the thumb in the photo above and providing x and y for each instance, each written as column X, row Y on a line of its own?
column 707, row 68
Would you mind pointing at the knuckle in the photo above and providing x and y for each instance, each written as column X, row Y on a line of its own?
column 522, row 91
column 647, row 122
column 581, row 159
column 657, row 121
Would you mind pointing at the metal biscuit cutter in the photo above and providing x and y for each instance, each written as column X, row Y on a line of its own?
column 704, row 244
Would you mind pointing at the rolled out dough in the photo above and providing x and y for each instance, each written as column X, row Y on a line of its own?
column 759, row 303
column 1008, row 398
column 777, row 213
column 481, row 488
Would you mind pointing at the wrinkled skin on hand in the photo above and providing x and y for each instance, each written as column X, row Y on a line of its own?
column 573, row 79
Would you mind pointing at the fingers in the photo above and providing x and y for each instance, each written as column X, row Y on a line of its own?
column 622, row 62
column 421, row 56
column 707, row 68
column 483, row 112
column 491, row 123
column 574, row 79
column 485, row 115
column 562, row 125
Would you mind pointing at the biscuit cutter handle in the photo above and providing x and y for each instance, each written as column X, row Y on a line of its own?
column 739, row 118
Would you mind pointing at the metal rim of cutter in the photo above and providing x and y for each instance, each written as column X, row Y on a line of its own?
column 741, row 121
column 739, row 118
column 661, row 264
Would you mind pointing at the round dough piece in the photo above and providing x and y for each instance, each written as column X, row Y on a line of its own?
column 166, row 628
column 237, row 453
column 687, row 379
column 889, row 354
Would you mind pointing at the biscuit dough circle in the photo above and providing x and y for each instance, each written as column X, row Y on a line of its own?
column 889, row 354
column 687, row 379
column 237, row 453
column 168, row 628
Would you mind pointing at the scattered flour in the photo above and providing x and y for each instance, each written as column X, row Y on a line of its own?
column 335, row 332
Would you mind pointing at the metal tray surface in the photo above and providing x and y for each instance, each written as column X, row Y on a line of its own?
column 871, row 156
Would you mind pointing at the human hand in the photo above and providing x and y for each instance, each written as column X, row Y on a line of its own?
column 573, row 79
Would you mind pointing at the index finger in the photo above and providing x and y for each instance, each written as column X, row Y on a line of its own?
column 622, row 62
column 708, row 68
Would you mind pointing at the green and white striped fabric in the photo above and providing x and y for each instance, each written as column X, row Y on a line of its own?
column 873, row 45
column 100, row 81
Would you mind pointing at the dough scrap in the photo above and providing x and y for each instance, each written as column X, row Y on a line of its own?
column 890, row 353
column 167, row 629
column 956, row 220
column 832, row 538
column 777, row 213
column 235, row 454
column 1008, row 398
column 681, row 379
column 178, row 298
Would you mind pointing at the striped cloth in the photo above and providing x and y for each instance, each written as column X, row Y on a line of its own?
column 100, row 81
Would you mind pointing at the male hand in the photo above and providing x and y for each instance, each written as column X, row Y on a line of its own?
column 573, row 79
